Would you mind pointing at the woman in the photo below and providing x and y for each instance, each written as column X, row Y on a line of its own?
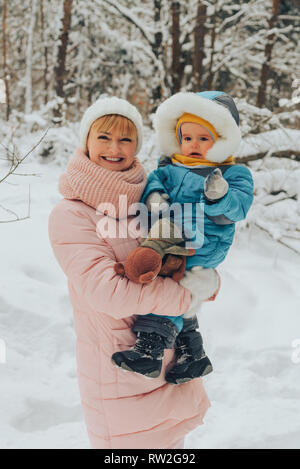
column 121, row 410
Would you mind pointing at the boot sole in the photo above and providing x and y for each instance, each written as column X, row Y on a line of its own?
column 125, row 367
column 206, row 371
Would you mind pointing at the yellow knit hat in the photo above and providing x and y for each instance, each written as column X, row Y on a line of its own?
column 186, row 117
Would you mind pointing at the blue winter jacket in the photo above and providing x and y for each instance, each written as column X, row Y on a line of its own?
column 185, row 185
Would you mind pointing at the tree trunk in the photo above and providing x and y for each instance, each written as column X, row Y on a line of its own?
column 46, row 83
column 28, row 79
column 199, row 54
column 60, row 69
column 157, row 50
column 5, row 70
column 212, row 49
column 176, row 48
column 261, row 96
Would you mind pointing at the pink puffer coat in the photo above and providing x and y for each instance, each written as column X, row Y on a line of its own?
column 121, row 409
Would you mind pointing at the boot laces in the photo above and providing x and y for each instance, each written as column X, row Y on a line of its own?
column 149, row 343
column 184, row 350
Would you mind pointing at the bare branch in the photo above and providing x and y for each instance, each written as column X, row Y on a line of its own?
column 17, row 218
column 278, row 240
column 131, row 18
column 33, row 174
column 293, row 155
column 17, row 161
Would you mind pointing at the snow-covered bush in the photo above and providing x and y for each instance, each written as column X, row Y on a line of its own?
column 276, row 207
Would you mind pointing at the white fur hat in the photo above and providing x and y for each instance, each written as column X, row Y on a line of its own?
column 216, row 107
column 104, row 106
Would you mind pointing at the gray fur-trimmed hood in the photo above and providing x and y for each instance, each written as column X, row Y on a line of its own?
column 216, row 107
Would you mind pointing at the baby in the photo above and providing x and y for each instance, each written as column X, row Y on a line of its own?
column 197, row 133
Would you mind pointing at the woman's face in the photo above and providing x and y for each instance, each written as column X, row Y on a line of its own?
column 111, row 150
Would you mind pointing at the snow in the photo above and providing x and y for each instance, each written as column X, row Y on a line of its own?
column 2, row 92
column 251, row 332
column 273, row 140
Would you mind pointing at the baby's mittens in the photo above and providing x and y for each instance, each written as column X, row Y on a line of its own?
column 157, row 202
column 215, row 186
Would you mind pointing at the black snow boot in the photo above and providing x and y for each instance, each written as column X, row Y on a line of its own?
column 154, row 334
column 191, row 360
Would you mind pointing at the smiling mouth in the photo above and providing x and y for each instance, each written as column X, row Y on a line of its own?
column 195, row 154
column 112, row 160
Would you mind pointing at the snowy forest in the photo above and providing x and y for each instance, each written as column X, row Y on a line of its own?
column 57, row 57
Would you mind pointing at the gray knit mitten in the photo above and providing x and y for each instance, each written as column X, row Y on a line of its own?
column 157, row 202
column 215, row 186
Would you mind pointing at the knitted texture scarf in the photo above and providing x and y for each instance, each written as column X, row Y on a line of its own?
column 87, row 181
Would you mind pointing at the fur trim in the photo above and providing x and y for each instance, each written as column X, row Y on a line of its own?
column 104, row 106
column 173, row 108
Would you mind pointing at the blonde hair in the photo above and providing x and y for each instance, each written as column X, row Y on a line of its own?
column 115, row 122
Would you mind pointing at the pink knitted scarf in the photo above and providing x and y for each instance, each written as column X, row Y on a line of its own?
column 87, row 181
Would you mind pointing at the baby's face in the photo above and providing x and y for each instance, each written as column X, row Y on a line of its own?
column 196, row 140
column 111, row 150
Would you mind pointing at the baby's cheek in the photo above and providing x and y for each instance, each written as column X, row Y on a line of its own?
column 184, row 149
column 206, row 147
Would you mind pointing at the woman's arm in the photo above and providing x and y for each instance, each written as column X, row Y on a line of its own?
column 88, row 262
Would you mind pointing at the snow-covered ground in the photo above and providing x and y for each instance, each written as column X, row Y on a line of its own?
column 250, row 334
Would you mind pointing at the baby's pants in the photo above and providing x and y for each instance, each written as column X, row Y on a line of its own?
column 176, row 320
